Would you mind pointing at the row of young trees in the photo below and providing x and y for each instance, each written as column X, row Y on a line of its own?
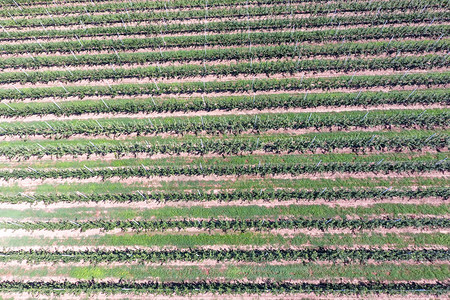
column 216, row 125
column 234, row 69
column 198, row 254
column 229, row 224
column 232, row 39
column 293, row 169
column 30, row 7
column 268, row 195
column 221, row 288
column 34, row 7
column 233, row 53
column 231, row 25
column 227, row 103
column 144, row 15
column 357, row 144
column 236, row 86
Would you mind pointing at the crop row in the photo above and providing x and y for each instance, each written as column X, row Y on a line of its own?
column 231, row 25
column 232, row 146
column 236, row 170
column 220, row 287
column 260, row 102
column 235, row 195
column 288, row 84
column 232, row 124
column 258, row 52
column 233, row 224
column 267, row 67
column 234, row 39
column 116, row 7
column 234, row 12
column 107, row 6
column 198, row 254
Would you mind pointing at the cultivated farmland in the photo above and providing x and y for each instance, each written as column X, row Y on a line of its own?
column 224, row 149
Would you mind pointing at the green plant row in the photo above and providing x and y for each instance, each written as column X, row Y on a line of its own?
column 233, row 224
column 195, row 70
column 226, row 103
column 229, row 124
column 237, row 170
column 216, row 287
column 257, row 52
column 232, row 25
column 235, row 39
column 28, row 9
column 235, row 195
column 235, row 12
column 232, row 146
column 199, row 254
column 107, row 6
column 237, row 86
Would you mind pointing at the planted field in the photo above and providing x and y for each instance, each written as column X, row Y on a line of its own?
column 224, row 149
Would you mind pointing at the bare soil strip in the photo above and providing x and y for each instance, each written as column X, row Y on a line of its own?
column 321, row 109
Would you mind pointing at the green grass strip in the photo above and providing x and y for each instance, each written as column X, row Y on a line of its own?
column 236, row 212
column 384, row 271
column 394, row 240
